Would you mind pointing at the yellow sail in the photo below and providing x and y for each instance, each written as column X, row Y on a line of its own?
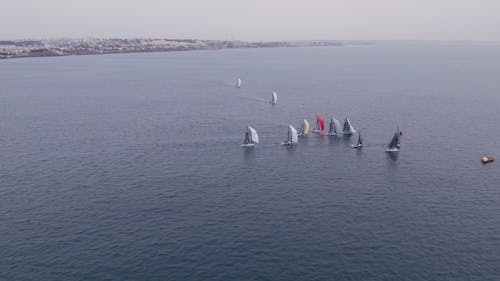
column 306, row 127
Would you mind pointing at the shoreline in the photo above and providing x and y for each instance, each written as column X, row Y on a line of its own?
column 71, row 47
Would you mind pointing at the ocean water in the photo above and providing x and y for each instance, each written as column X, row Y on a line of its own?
column 129, row 166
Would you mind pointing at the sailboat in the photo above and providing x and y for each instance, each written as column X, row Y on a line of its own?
column 238, row 83
column 274, row 98
column 332, row 130
column 394, row 145
column 292, row 136
column 304, row 130
column 251, row 137
column 348, row 130
column 360, row 141
column 320, row 125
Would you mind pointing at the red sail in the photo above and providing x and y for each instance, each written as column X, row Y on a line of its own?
column 321, row 122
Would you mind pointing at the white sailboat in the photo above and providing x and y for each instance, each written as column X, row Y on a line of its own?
column 274, row 98
column 348, row 130
column 304, row 130
column 292, row 136
column 394, row 145
column 251, row 137
column 238, row 83
column 360, row 141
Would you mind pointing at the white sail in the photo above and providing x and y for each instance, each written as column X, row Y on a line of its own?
column 337, row 125
column 351, row 127
column 254, row 137
column 274, row 98
column 293, row 134
column 238, row 83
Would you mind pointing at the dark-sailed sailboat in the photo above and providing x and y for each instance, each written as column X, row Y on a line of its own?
column 360, row 141
column 332, row 130
column 394, row 145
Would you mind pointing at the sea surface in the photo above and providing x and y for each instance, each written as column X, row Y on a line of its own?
column 129, row 166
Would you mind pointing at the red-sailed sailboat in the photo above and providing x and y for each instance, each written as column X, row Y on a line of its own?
column 320, row 125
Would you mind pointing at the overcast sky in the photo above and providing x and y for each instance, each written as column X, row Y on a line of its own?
column 253, row 19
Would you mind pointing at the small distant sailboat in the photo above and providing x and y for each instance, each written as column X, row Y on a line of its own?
column 320, row 125
column 332, row 128
column 360, row 141
column 348, row 130
column 274, row 98
column 251, row 137
column 304, row 130
column 394, row 145
column 238, row 83
column 292, row 136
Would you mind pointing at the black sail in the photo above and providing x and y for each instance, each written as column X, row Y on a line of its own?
column 247, row 138
column 395, row 141
column 347, row 127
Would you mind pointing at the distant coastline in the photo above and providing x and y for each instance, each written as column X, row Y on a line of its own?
column 92, row 46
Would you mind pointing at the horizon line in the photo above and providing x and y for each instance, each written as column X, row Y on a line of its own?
column 252, row 41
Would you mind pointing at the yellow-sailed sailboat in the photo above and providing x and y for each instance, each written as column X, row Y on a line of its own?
column 304, row 130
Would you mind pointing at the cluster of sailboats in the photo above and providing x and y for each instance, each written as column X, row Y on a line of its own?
column 334, row 129
column 252, row 138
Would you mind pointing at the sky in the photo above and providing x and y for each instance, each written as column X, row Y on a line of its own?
column 253, row 20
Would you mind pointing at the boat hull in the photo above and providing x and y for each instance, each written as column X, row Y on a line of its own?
column 287, row 143
column 248, row 145
column 391, row 150
column 330, row 134
column 357, row 146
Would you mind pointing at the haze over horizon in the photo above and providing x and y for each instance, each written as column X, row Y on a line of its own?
column 257, row 20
